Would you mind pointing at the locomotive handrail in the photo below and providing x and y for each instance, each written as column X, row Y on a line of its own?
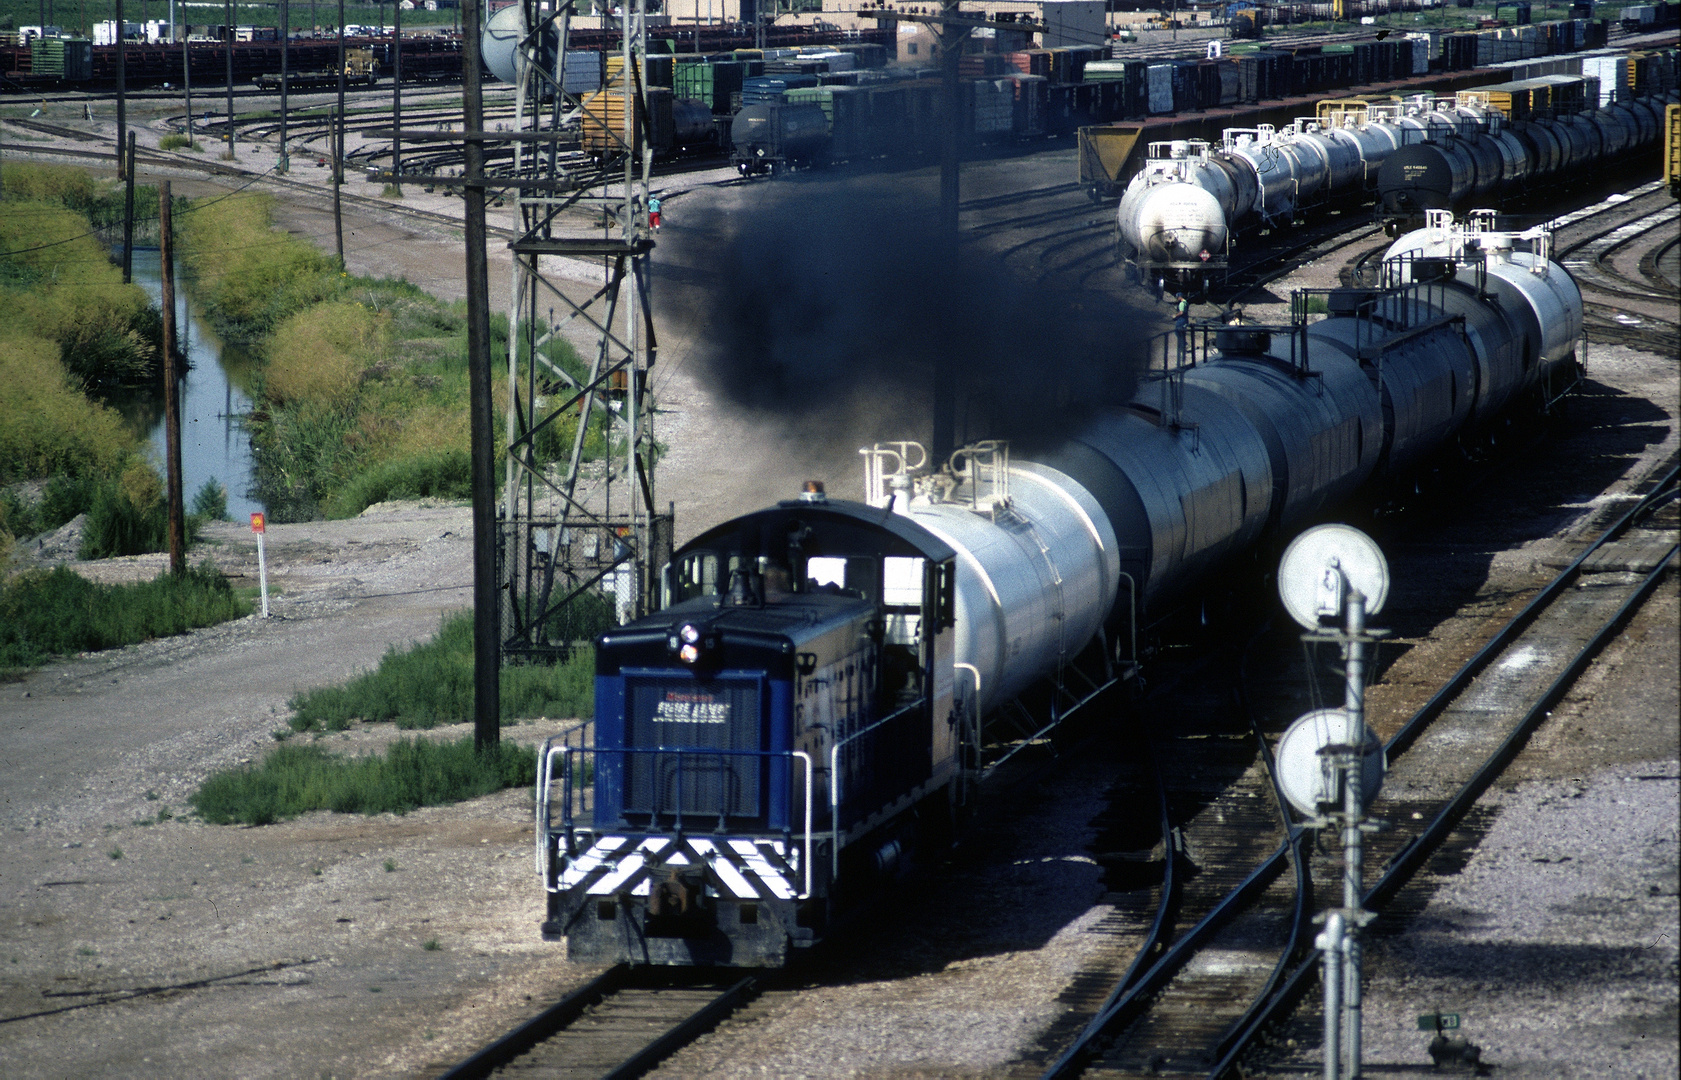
column 565, row 752
column 834, row 775
column 545, row 759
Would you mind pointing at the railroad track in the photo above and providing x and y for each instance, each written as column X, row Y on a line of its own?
column 619, row 1025
column 1203, row 1007
column 1616, row 253
column 187, row 162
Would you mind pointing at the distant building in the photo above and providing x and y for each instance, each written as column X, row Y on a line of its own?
column 1074, row 22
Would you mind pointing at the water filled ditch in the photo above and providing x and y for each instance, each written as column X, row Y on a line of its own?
column 214, row 399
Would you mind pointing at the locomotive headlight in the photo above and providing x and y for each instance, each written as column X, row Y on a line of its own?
column 689, row 650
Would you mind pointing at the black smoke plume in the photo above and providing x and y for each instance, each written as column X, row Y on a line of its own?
column 828, row 303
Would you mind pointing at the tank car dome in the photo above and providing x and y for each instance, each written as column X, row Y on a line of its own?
column 499, row 43
column 1175, row 223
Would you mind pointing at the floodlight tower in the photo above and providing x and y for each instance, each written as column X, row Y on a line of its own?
column 581, row 530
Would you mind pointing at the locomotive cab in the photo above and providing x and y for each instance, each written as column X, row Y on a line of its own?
column 759, row 744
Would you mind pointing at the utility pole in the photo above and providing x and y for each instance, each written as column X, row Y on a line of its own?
column 487, row 638
column 952, row 37
column 954, row 28
column 128, row 211
column 337, row 143
column 187, row 82
column 285, row 163
column 171, row 387
column 123, row 164
column 397, row 98
column 229, row 31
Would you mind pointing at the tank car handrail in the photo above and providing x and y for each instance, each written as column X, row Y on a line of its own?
column 1057, row 719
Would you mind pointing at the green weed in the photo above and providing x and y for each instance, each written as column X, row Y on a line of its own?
column 431, row 944
column 48, row 428
column 431, row 683
column 56, row 612
column 115, row 853
column 295, row 780
column 443, row 474
column 174, row 141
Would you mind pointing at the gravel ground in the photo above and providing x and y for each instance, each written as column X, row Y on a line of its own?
column 294, row 949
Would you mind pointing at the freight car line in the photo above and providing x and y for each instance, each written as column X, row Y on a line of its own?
column 617, row 1026
column 1540, row 652
column 1528, row 666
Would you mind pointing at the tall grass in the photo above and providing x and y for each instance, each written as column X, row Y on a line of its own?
column 295, row 780
column 362, row 390
column 57, row 612
column 47, row 426
column 248, row 277
column 58, row 283
column 432, row 683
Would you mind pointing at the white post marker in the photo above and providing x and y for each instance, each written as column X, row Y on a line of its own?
column 258, row 524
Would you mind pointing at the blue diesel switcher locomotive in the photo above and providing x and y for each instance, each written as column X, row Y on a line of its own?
column 810, row 710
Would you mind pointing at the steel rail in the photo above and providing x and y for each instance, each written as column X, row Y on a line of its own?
column 546, row 1024
column 533, row 1031
column 1153, row 939
column 1127, row 1004
column 1451, row 689
column 698, row 1023
column 1400, row 867
column 1237, row 1037
column 1262, row 1011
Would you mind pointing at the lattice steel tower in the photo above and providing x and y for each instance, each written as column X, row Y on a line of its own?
column 582, row 535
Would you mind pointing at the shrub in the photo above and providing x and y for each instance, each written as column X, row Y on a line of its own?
column 432, row 683
column 60, row 285
column 295, row 780
column 52, row 613
column 445, row 474
column 320, row 354
column 211, row 502
column 59, row 185
column 302, row 451
column 249, row 277
column 47, row 427
column 174, row 141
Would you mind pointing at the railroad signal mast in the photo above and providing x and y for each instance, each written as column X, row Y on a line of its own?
column 1330, row 765
column 581, row 531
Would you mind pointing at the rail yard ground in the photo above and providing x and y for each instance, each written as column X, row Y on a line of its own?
column 307, row 948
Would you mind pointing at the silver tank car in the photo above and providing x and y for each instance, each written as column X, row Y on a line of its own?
column 1473, row 155
column 1519, row 273
column 1145, row 500
column 1175, row 212
column 1178, row 215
